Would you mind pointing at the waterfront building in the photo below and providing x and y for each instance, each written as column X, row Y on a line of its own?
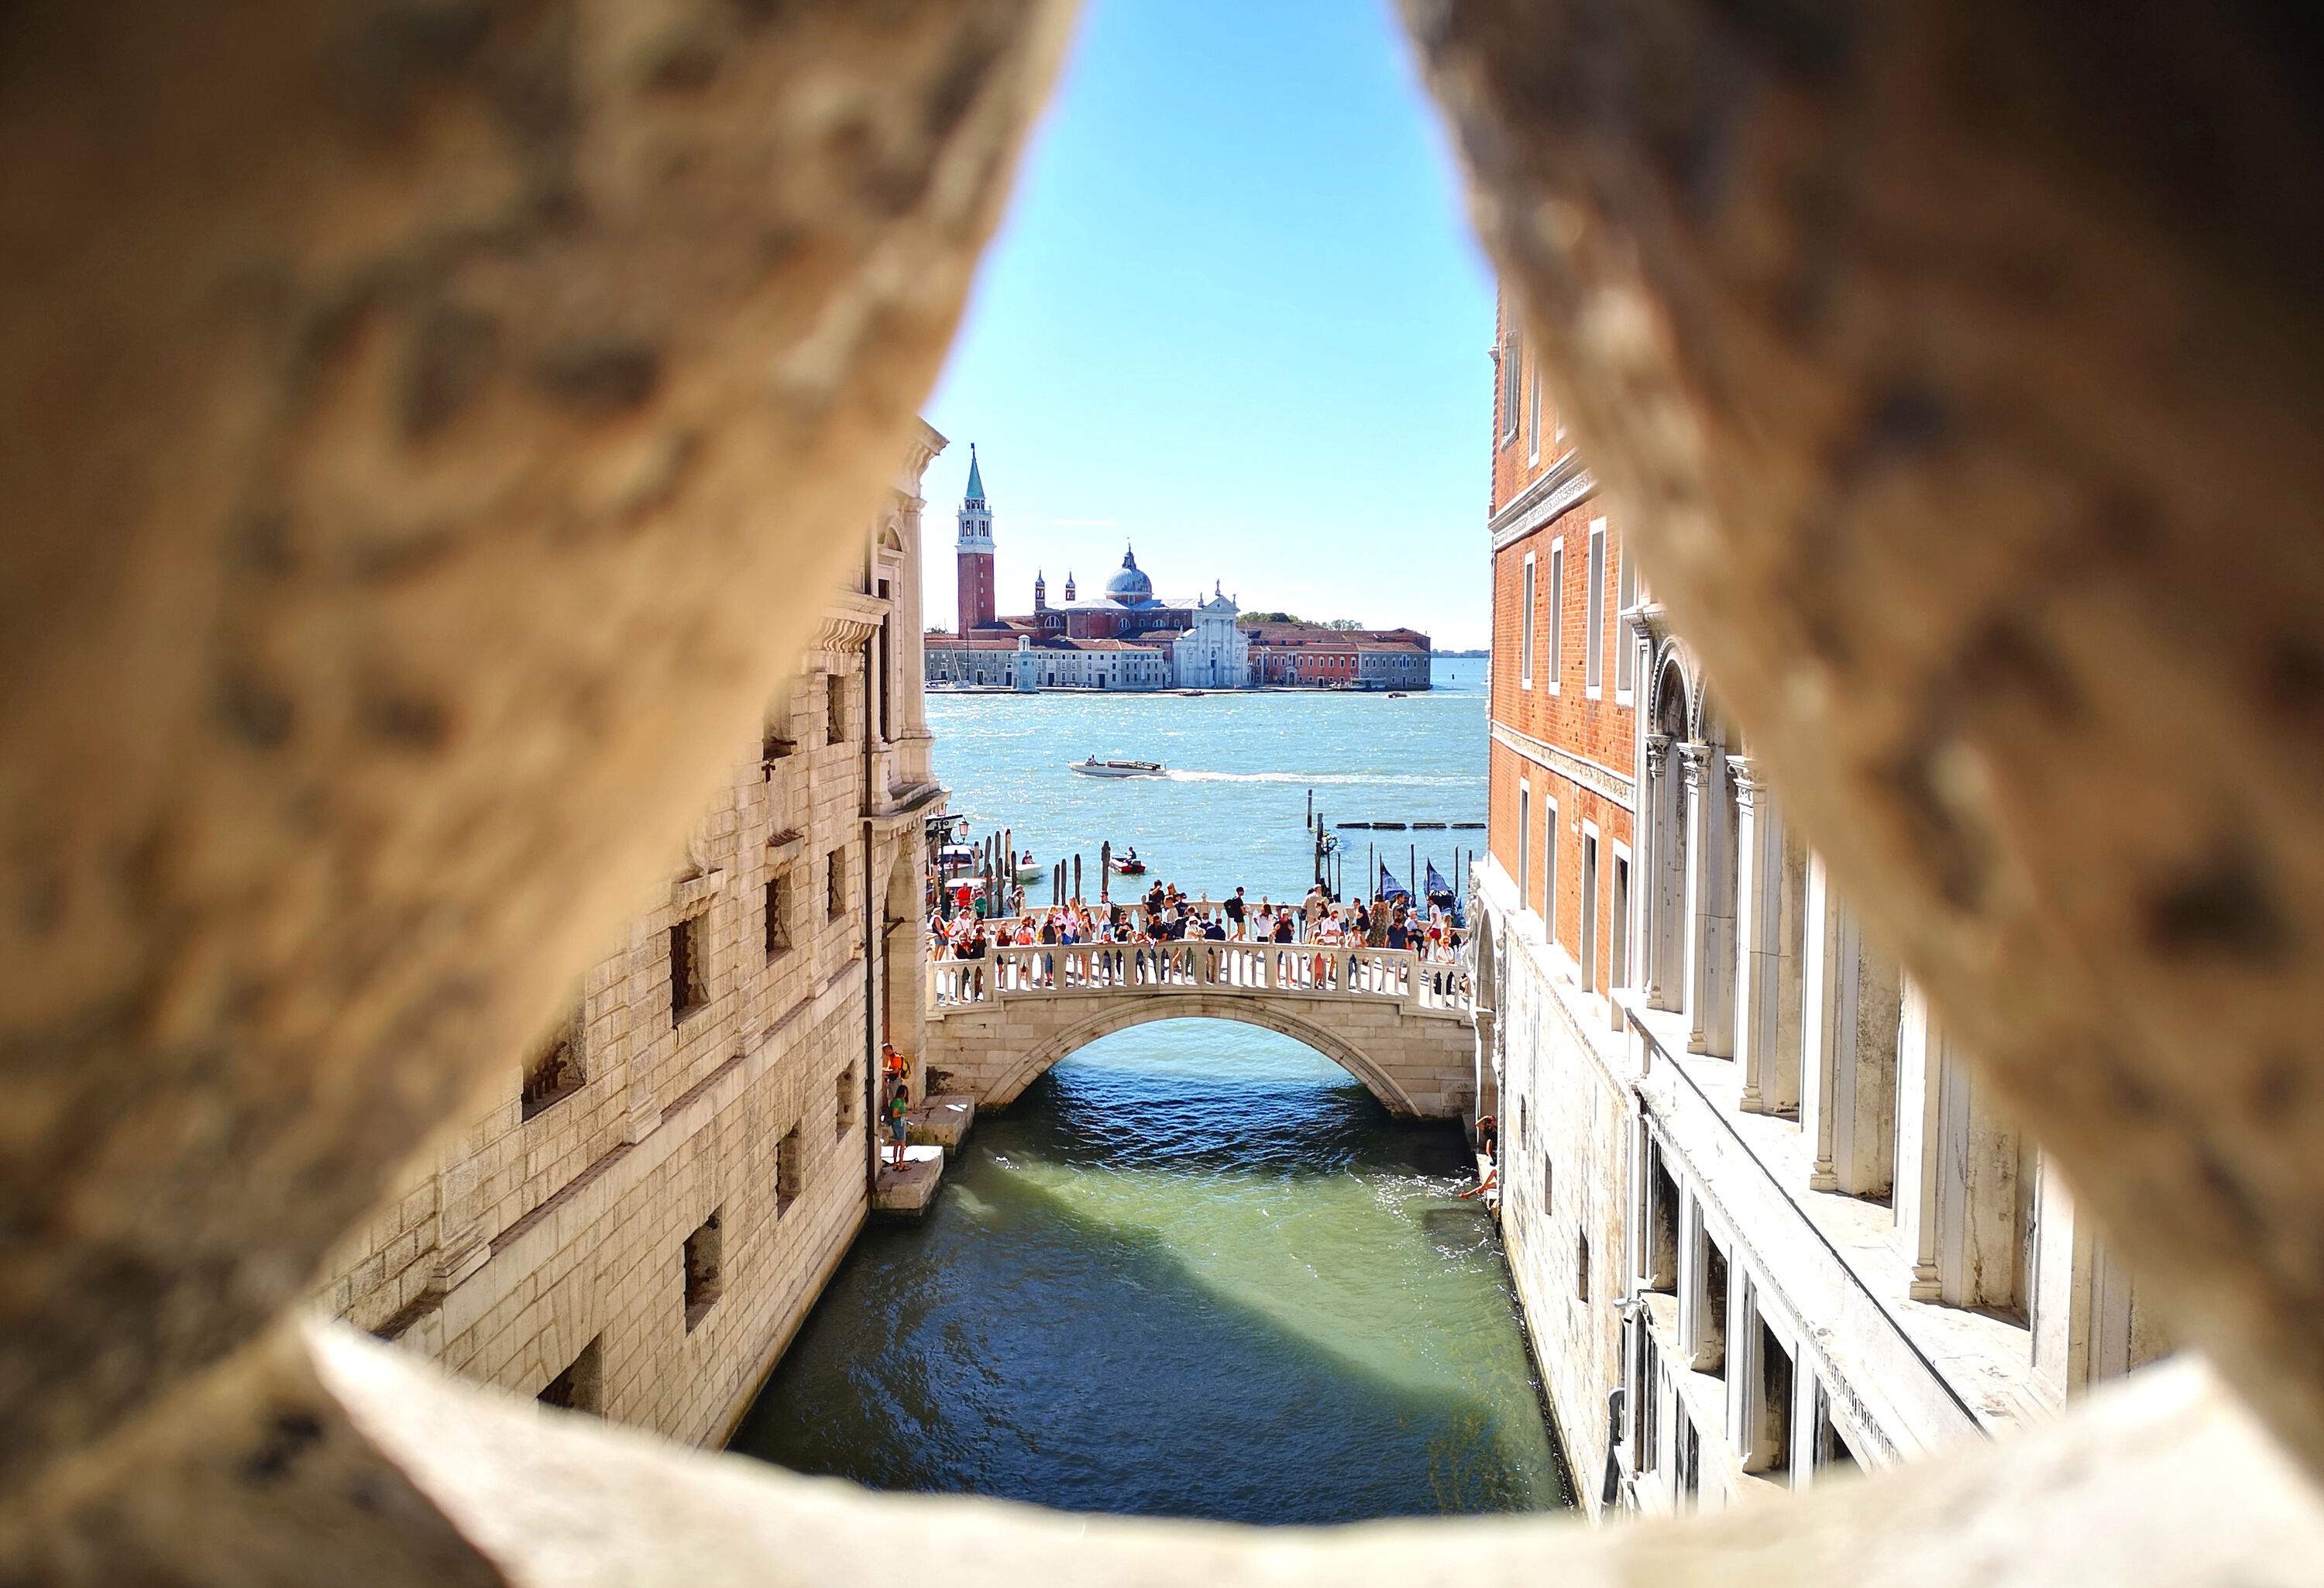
column 642, row 1217
column 1764, row 1220
column 1115, row 638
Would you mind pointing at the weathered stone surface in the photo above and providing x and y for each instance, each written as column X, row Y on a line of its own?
column 433, row 427
column 1964, row 402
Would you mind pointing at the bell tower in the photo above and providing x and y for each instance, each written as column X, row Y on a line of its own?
column 974, row 552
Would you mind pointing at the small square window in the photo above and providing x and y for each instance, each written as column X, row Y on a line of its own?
column 703, row 1277
column 787, row 1171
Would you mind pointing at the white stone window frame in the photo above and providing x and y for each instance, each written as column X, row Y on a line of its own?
column 1626, row 649
column 1512, row 361
column 1586, row 903
column 1524, row 844
column 1593, row 645
column 1555, row 671
column 1531, row 589
column 1533, row 414
column 1618, row 932
column 1549, row 870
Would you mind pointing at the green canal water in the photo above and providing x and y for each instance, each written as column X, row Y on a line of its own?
column 1195, row 1270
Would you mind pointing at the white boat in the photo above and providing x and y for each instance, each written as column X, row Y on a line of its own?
column 1094, row 768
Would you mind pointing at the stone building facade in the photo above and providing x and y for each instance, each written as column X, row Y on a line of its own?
column 643, row 1216
column 1764, row 1220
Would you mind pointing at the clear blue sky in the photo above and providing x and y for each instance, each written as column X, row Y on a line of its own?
column 1236, row 317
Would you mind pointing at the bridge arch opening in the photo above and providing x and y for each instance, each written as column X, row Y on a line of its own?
column 1046, row 1053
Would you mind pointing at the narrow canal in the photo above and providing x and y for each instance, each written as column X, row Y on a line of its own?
column 1195, row 1271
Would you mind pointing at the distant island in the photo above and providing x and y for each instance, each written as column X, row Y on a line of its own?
column 1465, row 653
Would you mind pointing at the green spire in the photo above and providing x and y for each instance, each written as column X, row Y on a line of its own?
column 976, row 477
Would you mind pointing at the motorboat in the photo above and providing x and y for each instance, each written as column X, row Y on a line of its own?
column 1029, row 870
column 1397, row 695
column 1129, row 866
column 955, row 860
column 1094, row 768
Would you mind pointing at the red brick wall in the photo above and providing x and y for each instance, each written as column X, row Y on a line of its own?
column 1597, row 730
column 976, row 596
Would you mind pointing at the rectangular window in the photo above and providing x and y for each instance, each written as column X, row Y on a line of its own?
column 835, row 885
column 787, row 1171
column 1617, row 951
column 1662, row 1228
column 581, row 1387
column 1581, row 1269
column 1588, row 925
column 1525, row 629
column 1533, row 413
column 554, row 1072
column 846, row 1093
column 1556, row 610
column 1524, row 844
column 1830, row 1445
column 1548, row 1185
column 1549, row 836
column 1712, row 1354
column 688, row 985
column 1626, row 596
column 1510, row 361
column 702, row 1271
column 777, row 926
column 772, row 747
column 834, row 708
column 1593, row 644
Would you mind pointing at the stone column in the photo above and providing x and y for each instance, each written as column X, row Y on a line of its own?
column 1709, row 941
column 462, row 1246
column 1702, row 1335
column 1921, row 1144
column 915, row 764
column 1849, row 1012
column 1758, row 921
column 1663, row 876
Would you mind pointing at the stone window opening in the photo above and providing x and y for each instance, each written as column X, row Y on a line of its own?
column 1582, row 1268
column 834, row 708
column 777, row 926
column 1831, row 1448
column 1525, row 629
column 1548, row 1181
column 844, row 1094
column 689, row 984
column 1711, row 1328
column 1626, row 596
column 1769, row 1422
column 1690, row 1461
column 787, row 1171
column 835, row 885
column 555, row 1072
column 774, row 747
column 581, row 1387
column 703, row 1273
column 1661, row 1255
column 1617, row 944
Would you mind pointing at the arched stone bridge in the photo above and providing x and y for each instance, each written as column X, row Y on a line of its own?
column 1397, row 1022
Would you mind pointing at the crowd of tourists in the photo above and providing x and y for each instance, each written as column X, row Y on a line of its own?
column 1136, row 939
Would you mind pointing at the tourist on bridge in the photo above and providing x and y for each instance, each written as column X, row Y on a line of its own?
column 1234, row 908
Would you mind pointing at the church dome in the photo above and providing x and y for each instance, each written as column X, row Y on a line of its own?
column 1130, row 584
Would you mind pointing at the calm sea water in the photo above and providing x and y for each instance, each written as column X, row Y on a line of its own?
column 1233, row 807
column 1195, row 1270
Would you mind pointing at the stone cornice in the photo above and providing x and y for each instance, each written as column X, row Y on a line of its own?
column 1564, row 487
column 1601, row 781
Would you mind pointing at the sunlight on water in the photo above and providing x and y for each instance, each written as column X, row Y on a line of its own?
column 1195, row 1271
